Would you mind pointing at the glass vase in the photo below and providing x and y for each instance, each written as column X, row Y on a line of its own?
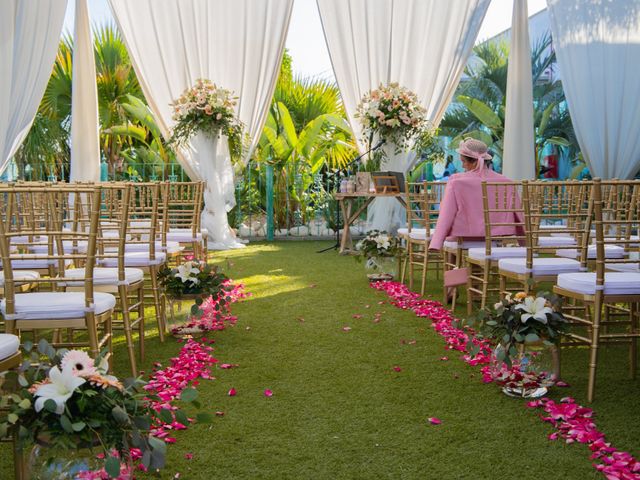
column 533, row 370
column 381, row 268
column 58, row 463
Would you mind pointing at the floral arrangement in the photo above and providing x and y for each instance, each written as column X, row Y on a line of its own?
column 195, row 278
column 378, row 243
column 208, row 108
column 394, row 114
column 69, row 402
column 523, row 318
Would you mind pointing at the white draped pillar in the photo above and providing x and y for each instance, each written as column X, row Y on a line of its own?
column 236, row 44
column 598, row 49
column 29, row 36
column 421, row 44
column 85, row 127
column 519, row 162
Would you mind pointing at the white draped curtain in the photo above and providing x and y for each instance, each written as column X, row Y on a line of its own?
column 421, row 44
column 598, row 50
column 85, row 127
column 519, row 162
column 28, row 45
column 236, row 44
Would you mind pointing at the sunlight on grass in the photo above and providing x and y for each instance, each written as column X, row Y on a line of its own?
column 262, row 286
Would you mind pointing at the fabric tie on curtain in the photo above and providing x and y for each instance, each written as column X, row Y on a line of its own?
column 30, row 36
column 598, row 49
column 421, row 44
column 519, row 161
column 236, row 44
column 85, row 127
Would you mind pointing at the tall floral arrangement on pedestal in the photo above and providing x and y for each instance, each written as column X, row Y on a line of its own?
column 206, row 107
column 393, row 113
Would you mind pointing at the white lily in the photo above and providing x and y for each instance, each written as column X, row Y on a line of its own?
column 383, row 241
column 187, row 272
column 62, row 386
column 535, row 308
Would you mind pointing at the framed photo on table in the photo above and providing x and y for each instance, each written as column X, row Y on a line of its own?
column 388, row 182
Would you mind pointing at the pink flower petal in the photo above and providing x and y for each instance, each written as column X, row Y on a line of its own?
column 356, row 315
column 232, row 392
column 434, row 421
column 346, row 329
column 444, row 359
column 226, row 366
column 397, row 368
column 268, row 393
column 562, row 384
column 188, row 456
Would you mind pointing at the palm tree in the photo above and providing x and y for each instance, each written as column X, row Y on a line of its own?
column 478, row 109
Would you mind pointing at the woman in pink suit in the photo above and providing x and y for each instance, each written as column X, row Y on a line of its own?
column 461, row 211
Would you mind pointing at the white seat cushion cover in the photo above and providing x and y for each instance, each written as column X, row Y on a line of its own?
column 9, row 345
column 105, row 276
column 35, row 263
column 552, row 241
column 67, row 245
column 418, row 235
column 541, row 266
column 57, row 305
column 21, row 276
column 172, row 247
column 405, row 230
column 135, row 259
column 184, row 235
column 610, row 251
column 615, row 283
column 624, row 267
column 497, row 253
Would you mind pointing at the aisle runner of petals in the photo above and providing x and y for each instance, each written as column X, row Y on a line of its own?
column 573, row 422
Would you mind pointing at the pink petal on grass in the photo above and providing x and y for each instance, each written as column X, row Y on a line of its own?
column 219, row 414
column 356, row 315
column 444, row 359
column 232, row 392
column 188, row 456
column 226, row 366
column 434, row 421
column 346, row 329
column 562, row 384
column 268, row 393
column 397, row 368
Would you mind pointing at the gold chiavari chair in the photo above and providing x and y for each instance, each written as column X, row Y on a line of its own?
column 541, row 209
column 43, row 311
column 185, row 201
column 10, row 359
column 425, row 213
column 504, row 238
column 144, row 245
column 125, row 283
column 615, row 281
column 415, row 208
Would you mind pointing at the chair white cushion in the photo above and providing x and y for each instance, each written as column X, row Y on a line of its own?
column 418, row 235
column 9, row 345
column 104, row 276
column 624, row 267
column 172, row 247
column 497, row 253
column 35, row 263
column 25, row 239
column 615, row 283
column 556, row 241
column 21, row 276
column 610, row 251
column 466, row 244
column 184, row 235
column 540, row 266
column 67, row 245
column 135, row 259
column 57, row 305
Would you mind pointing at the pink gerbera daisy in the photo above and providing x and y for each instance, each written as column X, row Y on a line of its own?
column 79, row 362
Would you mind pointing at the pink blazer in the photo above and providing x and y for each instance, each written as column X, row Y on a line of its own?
column 461, row 210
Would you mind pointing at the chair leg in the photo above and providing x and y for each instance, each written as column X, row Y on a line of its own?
column 425, row 269
column 633, row 347
column 469, row 287
column 411, row 260
column 18, row 461
column 153, row 273
column 92, row 333
column 486, row 275
column 595, row 340
column 126, row 321
column 141, row 320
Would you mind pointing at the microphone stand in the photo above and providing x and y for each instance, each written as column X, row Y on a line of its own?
column 347, row 167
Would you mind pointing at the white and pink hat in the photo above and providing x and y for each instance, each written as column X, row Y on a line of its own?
column 474, row 149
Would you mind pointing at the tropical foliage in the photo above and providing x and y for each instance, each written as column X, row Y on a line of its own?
column 478, row 109
column 128, row 132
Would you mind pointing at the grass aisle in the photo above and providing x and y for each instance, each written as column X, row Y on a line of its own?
column 340, row 411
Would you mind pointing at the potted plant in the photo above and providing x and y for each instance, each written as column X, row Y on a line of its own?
column 381, row 251
column 527, row 330
column 197, row 281
column 79, row 421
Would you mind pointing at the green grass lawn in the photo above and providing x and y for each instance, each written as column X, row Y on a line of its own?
column 340, row 411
